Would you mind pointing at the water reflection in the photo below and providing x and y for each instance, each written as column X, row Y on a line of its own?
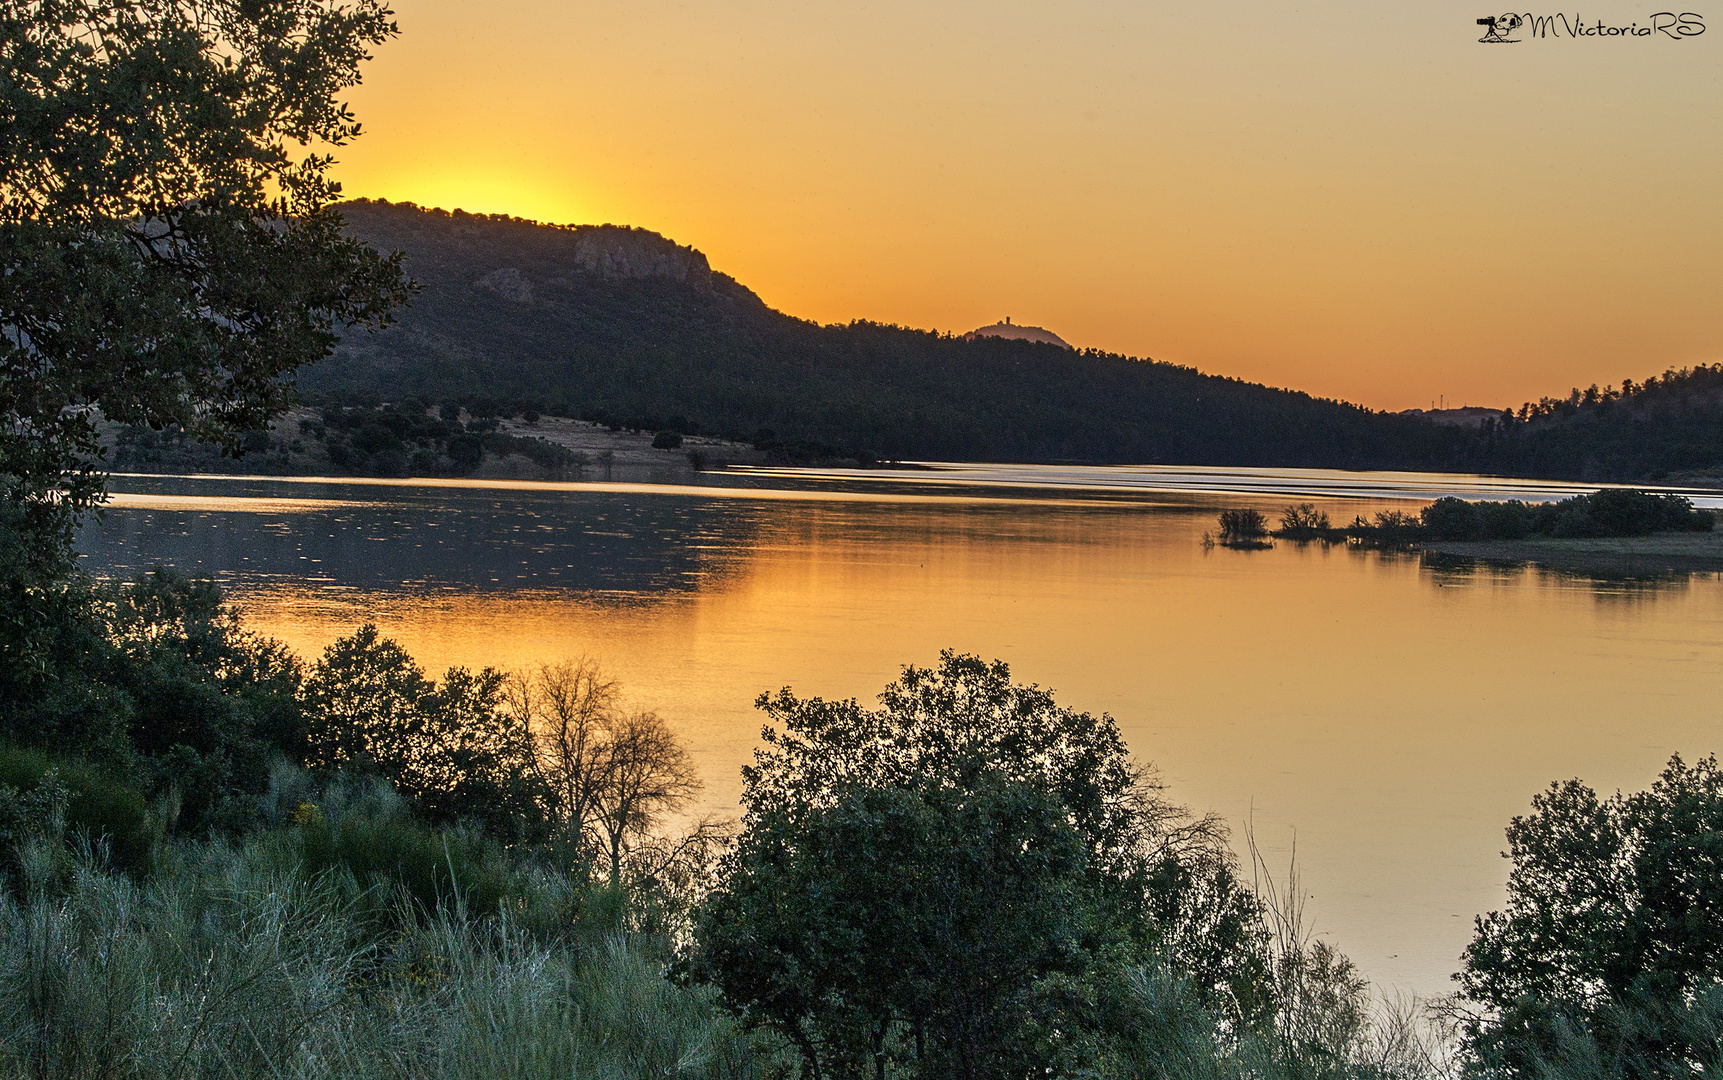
column 1461, row 571
column 415, row 541
column 1396, row 709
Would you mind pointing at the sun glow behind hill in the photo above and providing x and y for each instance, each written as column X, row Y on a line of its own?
column 1367, row 205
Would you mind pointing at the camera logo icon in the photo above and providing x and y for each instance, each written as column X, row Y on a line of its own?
column 1499, row 27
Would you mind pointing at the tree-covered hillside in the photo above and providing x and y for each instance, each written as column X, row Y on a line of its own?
column 609, row 322
column 624, row 326
column 1667, row 427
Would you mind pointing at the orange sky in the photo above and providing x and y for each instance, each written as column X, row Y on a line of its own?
column 1356, row 200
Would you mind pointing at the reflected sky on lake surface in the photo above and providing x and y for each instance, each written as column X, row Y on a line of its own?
column 1390, row 711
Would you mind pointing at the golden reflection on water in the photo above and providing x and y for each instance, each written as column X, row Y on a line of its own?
column 1391, row 712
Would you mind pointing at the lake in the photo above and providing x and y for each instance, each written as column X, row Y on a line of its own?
column 1384, row 713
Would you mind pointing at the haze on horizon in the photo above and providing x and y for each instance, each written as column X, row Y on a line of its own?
column 1358, row 201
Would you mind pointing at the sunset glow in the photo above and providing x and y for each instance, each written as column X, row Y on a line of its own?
column 1359, row 201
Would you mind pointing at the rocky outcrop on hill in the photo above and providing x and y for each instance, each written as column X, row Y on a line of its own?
column 525, row 262
column 621, row 252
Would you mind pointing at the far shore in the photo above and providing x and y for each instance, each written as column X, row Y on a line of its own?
column 1657, row 553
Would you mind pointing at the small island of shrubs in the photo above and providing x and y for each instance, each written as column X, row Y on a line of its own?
column 1611, row 512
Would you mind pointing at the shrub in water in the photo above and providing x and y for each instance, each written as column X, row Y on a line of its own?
column 1242, row 523
column 1303, row 518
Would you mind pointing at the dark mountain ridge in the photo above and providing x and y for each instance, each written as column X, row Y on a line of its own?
column 625, row 326
column 616, row 322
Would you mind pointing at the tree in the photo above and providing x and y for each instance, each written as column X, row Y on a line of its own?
column 168, row 247
column 1168, row 873
column 900, row 926
column 568, row 707
column 1304, row 518
column 157, row 679
column 1611, row 943
column 608, row 775
column 644, row 774
column 875, row 841
column 1242, row 525
column 453, row 749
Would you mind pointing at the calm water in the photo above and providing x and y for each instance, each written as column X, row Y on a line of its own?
column 1386, row 713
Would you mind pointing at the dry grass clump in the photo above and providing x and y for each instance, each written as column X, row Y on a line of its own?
column 223, row 965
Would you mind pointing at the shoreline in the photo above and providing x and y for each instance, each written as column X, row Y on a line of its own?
column 1658, row 553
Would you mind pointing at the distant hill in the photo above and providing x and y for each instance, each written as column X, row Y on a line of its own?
column 624, row 325
column 1014, row 332
column 1668, row 428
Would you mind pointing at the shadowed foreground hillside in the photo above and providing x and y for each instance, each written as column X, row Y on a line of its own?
column 611, row 322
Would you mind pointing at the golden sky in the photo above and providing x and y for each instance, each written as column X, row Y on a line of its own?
column 1361, row 201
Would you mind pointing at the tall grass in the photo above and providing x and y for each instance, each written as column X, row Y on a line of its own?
column 224, row 964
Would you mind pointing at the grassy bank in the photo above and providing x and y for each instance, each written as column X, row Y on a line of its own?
column 232, row 961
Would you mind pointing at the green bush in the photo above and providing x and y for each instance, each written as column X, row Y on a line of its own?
column 96, row 804
column 1303, row 520
column 433, row 869
column 1620, row 512
column 1608, row 947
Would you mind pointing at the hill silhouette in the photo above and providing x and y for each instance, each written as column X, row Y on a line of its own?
column 625, row 326
column 1667, row 428
column 1018, row 332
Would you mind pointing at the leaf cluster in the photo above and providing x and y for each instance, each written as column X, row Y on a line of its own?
column 909, row 879
column 1610, row 938
column 156, row 681
column 169, row 256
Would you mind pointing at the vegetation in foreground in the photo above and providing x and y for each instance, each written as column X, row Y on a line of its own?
column 348, row 867
column 255, row 866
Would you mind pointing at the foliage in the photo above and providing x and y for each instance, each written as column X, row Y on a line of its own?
column 970, row 881
column 401, row 440
column 1610, row 937
column 1666, row 424
column 168, row 256
column 1242, row 525
column 1609, row 512
column 607, row 775
column 647, row 773
column 569, row 708
column 903, row 925
column 157, row 680
column 41, row 796
column 398, row 439
column 644, row 351
column 451, row 748
column 1013, row 796
column 226, row 964
column 639, row 352
column 1303, row 519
